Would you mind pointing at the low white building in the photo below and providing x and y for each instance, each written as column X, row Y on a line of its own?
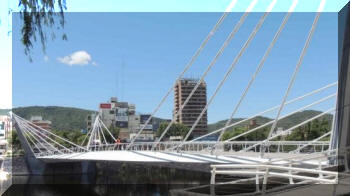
column 5, row 126
column 5, row 131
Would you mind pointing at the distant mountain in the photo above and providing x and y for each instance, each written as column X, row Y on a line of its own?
column 259, row 121
column 67, row 118
column 62, row 118
column 285, row 123
column 302, row 116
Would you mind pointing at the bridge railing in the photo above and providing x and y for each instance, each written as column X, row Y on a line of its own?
column 263, row 172
column 290, row 169
column 198, row 147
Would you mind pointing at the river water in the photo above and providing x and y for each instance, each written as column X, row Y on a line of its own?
column 128, row 179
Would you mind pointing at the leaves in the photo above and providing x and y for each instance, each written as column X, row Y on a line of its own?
column 38, row 16
column 176, row 129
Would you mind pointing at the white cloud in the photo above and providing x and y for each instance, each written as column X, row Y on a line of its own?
column 76, row 58
column 46, row 58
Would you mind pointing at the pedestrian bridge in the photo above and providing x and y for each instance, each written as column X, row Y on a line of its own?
column 321, row 152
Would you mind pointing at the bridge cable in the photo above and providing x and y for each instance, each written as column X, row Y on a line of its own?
column 268, row 110
column 103, row 135
column 98, row 135
column 48, row 132
column 37, row 133
column 95, row 136
column 211, row 64
column 227, row 74
column 108, row 131
column 30, row 129
column 189, row 64
column 259, row 67
column 291, row 113
column 29, row 136
column 31, row 141
column 298, row 65
column 333, row 123
column 290, row 129
column 87, row 134
column 26, row 139
column 27, row 128
column 92, row 132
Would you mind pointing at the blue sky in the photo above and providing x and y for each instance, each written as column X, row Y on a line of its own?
column 137, row 57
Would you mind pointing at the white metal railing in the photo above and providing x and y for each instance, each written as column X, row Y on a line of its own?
column 200, row 146
column 289, row 168
column 266, row 171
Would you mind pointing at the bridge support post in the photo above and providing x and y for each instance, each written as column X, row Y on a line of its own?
column 213, row 175
column 341, row 134
column 35, row 166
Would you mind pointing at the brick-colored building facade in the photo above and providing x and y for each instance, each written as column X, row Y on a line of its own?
column 194, row 107
column 38, row 121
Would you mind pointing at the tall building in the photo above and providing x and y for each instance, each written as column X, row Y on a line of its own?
column 194, row 107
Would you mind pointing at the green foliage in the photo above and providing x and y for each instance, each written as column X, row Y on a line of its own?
column 62, row 118
column 114, row 131
column 302, row 116
column 38, row 15
column 73, row 136
column 257, row 135
column 13, row 140
column 176, row 129
column 285, row 123
column 15, row 143
column 311, row 130
column 69, row 121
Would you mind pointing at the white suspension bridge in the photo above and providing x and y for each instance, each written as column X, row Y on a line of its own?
column 295, row 160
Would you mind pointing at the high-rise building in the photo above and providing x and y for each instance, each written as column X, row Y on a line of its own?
column 194, row 107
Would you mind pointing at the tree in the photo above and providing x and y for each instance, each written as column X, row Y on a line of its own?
column 13, row 140
column 311, row 130
column 257, row 135
column 114, row 131
column 232, row 133
column 38, row 15
column 176, row 129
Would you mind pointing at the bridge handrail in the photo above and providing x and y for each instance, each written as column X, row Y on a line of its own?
column 197, row 146
column 266, row 170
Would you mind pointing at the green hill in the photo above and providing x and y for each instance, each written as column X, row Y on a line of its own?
column 259, row 120
column 285, row 123
column 62, row 118
column 67, row 118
